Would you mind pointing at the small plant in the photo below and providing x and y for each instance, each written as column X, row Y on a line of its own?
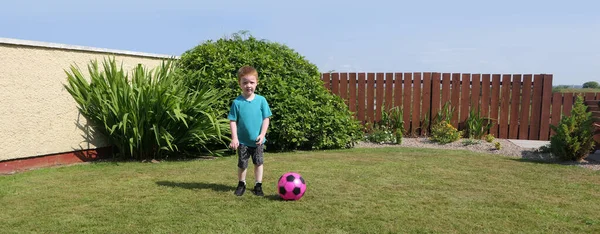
column 389, row 129
column 393, row 121
column 381, row 136
column 497, row 145
column 425, row 126
column 445, row 133
column 445, row 114
column 573, row 139
column 470, row 141
column 477, row 125
column 441, row 130
column 489, row 138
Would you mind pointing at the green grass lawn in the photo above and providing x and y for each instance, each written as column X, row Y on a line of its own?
column 349, row 191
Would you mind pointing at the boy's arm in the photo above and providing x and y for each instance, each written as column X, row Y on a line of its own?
column 263, row 131
column 234, row 138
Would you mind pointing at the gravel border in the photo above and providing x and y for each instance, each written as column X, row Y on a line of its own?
column 507, row 149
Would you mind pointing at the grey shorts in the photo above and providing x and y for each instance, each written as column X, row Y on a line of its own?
column 246, row 152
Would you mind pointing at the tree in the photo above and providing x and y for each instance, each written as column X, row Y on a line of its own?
column 573, row 140
column 591, row 85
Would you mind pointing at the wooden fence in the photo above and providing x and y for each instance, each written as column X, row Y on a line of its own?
column 522, row 106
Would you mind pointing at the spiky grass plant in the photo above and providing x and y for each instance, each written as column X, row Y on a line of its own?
column 149, row 115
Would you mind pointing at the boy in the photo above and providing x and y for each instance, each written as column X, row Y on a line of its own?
column 249, row 121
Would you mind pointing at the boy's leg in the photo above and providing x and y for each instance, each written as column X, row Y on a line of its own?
column 242, row 174
column 243, row 156
column 257, row 159
column 258, row 172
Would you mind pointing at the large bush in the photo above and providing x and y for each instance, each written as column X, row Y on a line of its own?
column 149, row 115
column 573, row 140
column 305, row 115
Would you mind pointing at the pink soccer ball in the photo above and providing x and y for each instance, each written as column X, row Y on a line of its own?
column 291, row 186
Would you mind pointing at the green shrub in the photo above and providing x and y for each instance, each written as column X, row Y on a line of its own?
column 476, row 125
column 150, row 114
column 444, row 133
column 573, row 135
column 305, row 114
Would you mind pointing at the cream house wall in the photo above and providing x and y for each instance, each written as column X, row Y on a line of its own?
column 37, row 115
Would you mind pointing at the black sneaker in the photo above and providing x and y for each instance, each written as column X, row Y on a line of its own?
column 258, row 190
column 239, row 191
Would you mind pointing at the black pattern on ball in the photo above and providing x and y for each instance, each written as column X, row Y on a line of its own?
column 302, row 179
column 282, row 190
column 296, row 191
column 290, row 178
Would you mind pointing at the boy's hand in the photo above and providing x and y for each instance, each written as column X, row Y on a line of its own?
column 234, row 144
column 260, row 139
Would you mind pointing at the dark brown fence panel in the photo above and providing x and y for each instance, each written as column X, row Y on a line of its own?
column 398, row 90
column 525, row 108
column 426, row 111
column 545, row 113
column 335, row 83
column 352, row 92
column 568, row 101
column 370, row 97
column 344, row 86
column 485, row 95
column 445, row 88
column 416, row 107
column 389, row 91
column 476, row 92
column 326, row 81
column 361, row 97
column 455, row 93
column 555, row 115
column 495, row 104
column 436, row 96
column 536, row 107
column 379, row 98
column 515, row 100
column 407, row 90
column 465, row 100
column 504, row 106
column 587, row 96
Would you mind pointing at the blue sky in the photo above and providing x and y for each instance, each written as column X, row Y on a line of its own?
column 557, row 37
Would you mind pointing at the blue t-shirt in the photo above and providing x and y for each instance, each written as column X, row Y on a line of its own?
column 249, row 116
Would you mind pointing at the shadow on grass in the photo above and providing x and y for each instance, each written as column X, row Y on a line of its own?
column 530, row 156
column 214, row 187
column 547, row 158
column 536, row 161
column 274, row 197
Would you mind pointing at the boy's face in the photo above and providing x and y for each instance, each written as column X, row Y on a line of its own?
column 248, row 84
